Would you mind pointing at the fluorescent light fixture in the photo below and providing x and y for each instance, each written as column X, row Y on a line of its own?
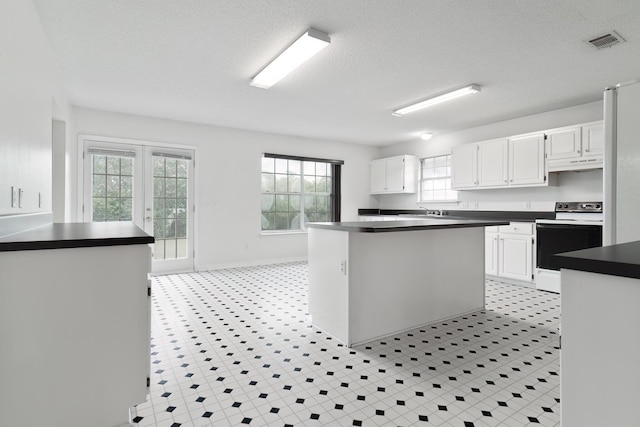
column 436, row 100
column 307, row 45
column 425, row 136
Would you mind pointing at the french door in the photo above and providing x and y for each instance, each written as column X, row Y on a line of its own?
column 150, row 186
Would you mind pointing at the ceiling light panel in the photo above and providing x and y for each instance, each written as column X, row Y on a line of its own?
column 419, row 105
column 306, row 46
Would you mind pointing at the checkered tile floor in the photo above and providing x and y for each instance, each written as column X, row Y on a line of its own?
column 235, row 347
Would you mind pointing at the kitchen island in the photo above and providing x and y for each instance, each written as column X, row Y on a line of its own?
column 372, row 279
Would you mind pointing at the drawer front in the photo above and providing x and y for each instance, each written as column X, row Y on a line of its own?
column 491, row 229
column 517, row 228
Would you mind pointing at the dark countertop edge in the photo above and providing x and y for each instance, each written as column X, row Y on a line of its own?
column 408, row 225
column 524, row 216
column 75, row 235
column 621, row 260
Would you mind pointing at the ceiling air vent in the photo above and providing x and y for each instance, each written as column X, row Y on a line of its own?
column 606, row 40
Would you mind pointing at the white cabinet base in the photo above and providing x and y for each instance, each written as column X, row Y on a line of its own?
column 548, row 280
column 364, row 286
column 75, row 335
column 599, row 367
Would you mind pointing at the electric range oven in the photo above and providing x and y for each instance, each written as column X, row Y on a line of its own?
column 578, row 225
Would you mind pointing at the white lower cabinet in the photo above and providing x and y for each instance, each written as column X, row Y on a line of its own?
column 509, row 251
column 491, row 251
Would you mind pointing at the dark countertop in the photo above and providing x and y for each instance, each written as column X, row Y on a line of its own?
column 617, row 260
column 524, row 216
column 403, row 225
column 76, row 235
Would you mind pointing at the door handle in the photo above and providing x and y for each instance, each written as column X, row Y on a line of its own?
column 148, row 219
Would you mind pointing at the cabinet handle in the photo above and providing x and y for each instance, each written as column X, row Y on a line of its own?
column 586, row 150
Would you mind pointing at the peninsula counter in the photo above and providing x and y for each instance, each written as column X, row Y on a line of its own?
column 599, row 371
column 74, row 324
column 372, row 279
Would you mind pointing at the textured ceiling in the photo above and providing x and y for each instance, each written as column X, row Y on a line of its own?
column 192, row 60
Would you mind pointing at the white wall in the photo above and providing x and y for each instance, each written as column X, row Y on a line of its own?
column 29, row 88
column 228, row 181
column 570, row 186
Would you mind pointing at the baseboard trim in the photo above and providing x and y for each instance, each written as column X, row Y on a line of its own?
column 250, row 263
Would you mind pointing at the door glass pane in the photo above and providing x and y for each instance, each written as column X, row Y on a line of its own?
column 170, row 207
column 111, row 188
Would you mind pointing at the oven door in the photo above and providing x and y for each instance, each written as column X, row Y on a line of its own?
column 556, row 238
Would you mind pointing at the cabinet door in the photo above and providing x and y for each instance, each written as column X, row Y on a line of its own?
column 395, row 174
column 378, row 175
column 464, row 166
column 328, row 292
column 493, row 162
column 564, row 143
column 593, row 139
column 491, row 254
column 526, row 160
column 515, row 257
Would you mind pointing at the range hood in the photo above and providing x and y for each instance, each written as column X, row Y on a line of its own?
column 574, row 164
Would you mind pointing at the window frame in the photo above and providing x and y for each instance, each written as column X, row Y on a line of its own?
column 422, row 179
column 334, row 208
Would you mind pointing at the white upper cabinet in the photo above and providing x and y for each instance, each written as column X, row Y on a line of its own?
column 396, row 178
column 493, row 163
column 464, row 166
column 526, row 160
column 593, row 139
column 564, row 143
column 393, row 175
column 378, row 172
column 499, row 163
column 575, row 148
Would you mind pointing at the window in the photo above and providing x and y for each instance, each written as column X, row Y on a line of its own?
column 297, row 190
column 111, row 185
column 435, row 179
column 170, row 205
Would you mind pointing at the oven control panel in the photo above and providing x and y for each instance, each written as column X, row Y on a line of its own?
column 595, row 207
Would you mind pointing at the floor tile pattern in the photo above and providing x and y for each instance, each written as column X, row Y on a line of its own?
column 235, row 347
